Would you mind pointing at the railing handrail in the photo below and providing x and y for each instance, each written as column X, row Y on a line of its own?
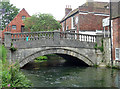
column 72, row 33
column 53, row 36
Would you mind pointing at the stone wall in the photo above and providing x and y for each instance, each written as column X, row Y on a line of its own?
column 32, row 45
column 107, row 51
column 107, row 54
column 50, row 39
column 116, row 64
column 23, row 56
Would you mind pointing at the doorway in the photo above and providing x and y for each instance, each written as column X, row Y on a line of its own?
column 22, row 28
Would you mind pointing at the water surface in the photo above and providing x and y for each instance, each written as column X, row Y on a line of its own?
column 73, row 77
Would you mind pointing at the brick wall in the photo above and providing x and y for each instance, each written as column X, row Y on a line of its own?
column 16, row 21
column 90, row 18
column 87, row 22
column 91, row 22
column 68, row 23
column 116, row 35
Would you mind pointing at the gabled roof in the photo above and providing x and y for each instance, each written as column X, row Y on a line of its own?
column 97, row 5
column 23, row 10
column 18, row 19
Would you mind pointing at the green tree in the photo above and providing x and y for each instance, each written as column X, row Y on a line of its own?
column 42, row 22
column 8, row 13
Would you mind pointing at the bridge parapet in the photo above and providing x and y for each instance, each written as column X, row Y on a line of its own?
column 53, row 38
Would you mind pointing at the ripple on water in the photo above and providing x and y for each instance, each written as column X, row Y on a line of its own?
column 73, row 77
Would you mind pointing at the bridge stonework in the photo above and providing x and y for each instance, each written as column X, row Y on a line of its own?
column 35, row 44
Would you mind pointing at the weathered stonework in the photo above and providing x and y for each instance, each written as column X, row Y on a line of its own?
column 24, row 56
column 43, row 43
column 107, row 51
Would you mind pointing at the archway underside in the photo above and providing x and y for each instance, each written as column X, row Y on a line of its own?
column 56, row 51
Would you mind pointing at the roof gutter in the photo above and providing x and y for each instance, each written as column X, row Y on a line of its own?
column 69, row 16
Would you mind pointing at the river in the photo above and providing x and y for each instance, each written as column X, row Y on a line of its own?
column 73, row 76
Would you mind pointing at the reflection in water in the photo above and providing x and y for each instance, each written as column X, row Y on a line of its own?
column 73, row 77
column 53, row 74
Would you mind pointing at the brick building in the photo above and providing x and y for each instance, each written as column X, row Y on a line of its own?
column 17, row 25
column 116, row 30
column 87, row 17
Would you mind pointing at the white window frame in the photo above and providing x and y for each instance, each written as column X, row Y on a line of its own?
column 117, row 53
column 72, row 22
column 14, row 27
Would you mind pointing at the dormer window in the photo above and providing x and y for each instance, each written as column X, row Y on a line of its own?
column 23, row 17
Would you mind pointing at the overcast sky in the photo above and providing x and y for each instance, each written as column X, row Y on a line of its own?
column 54, row 7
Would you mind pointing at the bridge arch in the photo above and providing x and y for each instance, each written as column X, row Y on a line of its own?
column 47, row 51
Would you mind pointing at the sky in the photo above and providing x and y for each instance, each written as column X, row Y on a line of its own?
column 54, row 7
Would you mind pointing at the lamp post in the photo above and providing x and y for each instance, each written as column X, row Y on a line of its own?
column 110, row 9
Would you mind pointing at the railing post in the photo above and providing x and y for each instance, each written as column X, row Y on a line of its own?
column 7, row 39
column 56, row 37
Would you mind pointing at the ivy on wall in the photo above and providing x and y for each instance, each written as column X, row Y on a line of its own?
column 101, row 48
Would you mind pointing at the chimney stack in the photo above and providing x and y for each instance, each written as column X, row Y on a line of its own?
column 68, row 9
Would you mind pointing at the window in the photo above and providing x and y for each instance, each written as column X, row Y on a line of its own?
column 76, row 20
column 23, row 17
column 73, row 23
column 14, row 27
column 67, row 27
column 117, row 53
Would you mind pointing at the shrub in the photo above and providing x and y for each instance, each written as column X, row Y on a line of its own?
column 12, row 48
column 3, row 54
column 10, row 73
column 101, row 48
column 41, row 58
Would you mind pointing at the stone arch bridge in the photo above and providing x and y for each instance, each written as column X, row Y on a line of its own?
column 34, row 44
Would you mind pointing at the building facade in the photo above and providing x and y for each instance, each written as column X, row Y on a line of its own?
column 87, row 17
column 17, row 25
column 116, row 30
